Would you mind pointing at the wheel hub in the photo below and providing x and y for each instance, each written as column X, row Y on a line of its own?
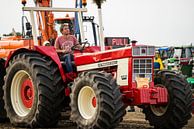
column 87, row 102
column 27, row 93
column 159, row 110
column 94, row 102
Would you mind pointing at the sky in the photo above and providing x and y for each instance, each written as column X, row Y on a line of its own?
column 152, row 22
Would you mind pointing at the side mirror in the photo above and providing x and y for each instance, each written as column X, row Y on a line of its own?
column 29, row 29
column 28, row 26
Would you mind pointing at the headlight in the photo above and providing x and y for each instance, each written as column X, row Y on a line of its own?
column 143, row 51
column 136, row 51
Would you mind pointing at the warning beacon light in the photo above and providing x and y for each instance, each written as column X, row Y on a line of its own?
column 84, row 2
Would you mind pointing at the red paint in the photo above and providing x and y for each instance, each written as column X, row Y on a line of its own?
column 27, row 93
column 130, row 71
column 131, row 94
column 51, row 52
column 94, row 102
column 67, row 91
column 45, row 50
column 89, row 58
column 124, row 89
column 156, row 95
column 12, row 53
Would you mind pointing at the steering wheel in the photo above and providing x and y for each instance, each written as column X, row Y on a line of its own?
column 83, row 45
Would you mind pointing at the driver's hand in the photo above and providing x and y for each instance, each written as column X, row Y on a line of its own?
column 67, row 49
column 78, row 46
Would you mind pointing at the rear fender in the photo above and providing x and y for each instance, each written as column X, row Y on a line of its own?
column 44, row 50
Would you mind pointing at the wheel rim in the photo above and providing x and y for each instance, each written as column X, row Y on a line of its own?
column 87, row 102
column 159, row 110
column 22, row 93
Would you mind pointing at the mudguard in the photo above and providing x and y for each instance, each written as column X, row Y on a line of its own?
column 44, row 50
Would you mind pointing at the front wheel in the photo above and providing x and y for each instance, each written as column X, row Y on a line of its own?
column 96, row 101
column 177, row 112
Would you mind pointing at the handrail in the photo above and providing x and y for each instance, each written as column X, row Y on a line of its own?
column 54, row 9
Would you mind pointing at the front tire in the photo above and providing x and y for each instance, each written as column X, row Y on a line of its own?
column 33, row 91
column 96, row 101
column 177, row 112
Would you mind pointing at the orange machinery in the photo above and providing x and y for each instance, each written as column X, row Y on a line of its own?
column 11, row 43
column 46, row 29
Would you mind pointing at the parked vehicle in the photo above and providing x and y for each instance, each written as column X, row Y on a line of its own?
column 35, row 86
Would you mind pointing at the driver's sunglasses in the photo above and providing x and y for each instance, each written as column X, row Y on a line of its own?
column 66, row 28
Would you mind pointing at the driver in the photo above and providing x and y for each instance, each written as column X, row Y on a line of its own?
column 63, row 45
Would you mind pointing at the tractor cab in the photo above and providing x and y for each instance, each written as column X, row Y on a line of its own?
column 165, row 52
column 184, row 55
column 91, row 29
column 170, row 61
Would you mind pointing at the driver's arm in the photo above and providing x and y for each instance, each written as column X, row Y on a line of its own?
column 56, row 45
column 76, row 43
column 61, row 51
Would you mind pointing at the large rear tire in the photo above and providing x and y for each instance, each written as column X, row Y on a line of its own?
column 177, row 112
column 96, row 101
column 33, row 91
column 2, row 74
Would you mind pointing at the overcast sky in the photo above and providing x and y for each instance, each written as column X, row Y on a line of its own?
column 157, row 22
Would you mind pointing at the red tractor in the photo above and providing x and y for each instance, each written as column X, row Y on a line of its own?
column 35, row 87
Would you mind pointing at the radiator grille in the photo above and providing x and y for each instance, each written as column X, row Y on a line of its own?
column 142, row 68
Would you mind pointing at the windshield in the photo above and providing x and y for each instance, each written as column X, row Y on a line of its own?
column 91, row 33
column 170, row 53
column 188, row 53
column 163, row 54
column 177, row 53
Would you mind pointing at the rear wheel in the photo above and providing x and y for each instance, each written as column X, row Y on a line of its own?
column 177, row 112
column 33, row 91
column 96, row 101
column 2, row 74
